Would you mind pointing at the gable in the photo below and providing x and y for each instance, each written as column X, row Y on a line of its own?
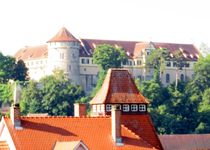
column 70, row 145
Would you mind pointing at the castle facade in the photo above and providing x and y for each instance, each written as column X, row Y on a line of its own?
column 74, row 57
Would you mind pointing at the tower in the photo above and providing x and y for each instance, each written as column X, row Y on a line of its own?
column 63, row 54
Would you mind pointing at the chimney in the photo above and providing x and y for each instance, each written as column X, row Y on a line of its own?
column 116, row 124
column 15, row 115
column 79, row 109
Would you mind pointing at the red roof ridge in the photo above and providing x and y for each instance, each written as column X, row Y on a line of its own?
column 111, row 40
column 73, row 117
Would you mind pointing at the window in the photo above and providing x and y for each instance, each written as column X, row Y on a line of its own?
column 125, row 63
column 167, row 78
column 138, row 62
column 168, row 64
column 87, row 61
column 83, row 61
column 61, row 55
column 130, row 62
column 94, row 108
column 182, row 77
column 174, row 64
column 125, row 107
column 108, row 107
column 142, row 107
column 99, row 108
column 187, row 65
column 134, row 107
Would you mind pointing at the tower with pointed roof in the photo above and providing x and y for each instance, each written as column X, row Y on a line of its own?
column 63, row 54
column 118, row 89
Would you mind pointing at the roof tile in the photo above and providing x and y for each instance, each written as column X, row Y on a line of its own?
column 95, row 132
column 63, row 36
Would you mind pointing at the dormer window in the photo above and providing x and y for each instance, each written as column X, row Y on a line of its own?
column 125, row 107
column 134, row 107
column 142, row 107
column 108, row 107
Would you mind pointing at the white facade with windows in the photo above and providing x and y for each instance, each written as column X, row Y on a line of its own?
column 75, row 59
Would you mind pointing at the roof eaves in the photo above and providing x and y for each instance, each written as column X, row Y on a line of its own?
column 12, row 137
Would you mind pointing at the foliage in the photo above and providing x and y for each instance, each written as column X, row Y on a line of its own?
column 5, row 93
column 157, row 59
column 181, row 109
column 52, row 95
column 101, row 77
column 20, row 71
column 9, row 69
column 7, row 65
column 202, row 73
column 106, row 56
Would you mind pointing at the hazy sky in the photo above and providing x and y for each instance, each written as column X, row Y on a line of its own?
column 33, row 22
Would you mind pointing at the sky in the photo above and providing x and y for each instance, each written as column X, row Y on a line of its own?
column 34, row 22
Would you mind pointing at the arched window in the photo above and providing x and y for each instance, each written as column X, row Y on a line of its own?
column 167, row 78
column 182, row 77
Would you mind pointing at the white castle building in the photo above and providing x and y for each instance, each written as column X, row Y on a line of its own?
column 74, row 57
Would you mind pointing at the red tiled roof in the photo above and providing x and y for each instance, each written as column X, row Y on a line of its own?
column 118, row 87
column 95, row 132
column 128, row 46
column 32, row 52
column 142, row 126
column 185, row 141
column 132, row 48
column 188, row 49
column 63, row 36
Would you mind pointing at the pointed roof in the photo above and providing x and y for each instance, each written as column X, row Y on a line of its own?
column 63, row 36
column 118, row 87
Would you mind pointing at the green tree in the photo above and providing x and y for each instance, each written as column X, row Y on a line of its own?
column 7, row 65
column 101, row 77
column 53, row 95
column 106, row 56
column 9, row 69
column 157, row 59
column 204, row 110
column 202, row 73
column 20, row 71
column 31, row 98
column 5, row 93
column 179, row 61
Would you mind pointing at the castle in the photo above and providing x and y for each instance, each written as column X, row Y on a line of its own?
column 74, row 57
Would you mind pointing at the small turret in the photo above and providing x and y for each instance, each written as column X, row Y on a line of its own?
column 63, row 54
